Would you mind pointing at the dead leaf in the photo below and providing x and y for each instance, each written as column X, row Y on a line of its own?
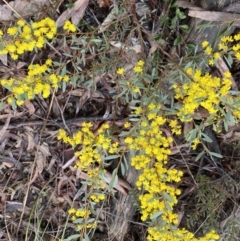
column 86, row 96
column 44, row 148
column 177, row 149
column 20, row 64
column 168, row 134
column 56, row 200
column 5, row 72
column 31, row 142
column 13, row 206
column 21, row 7
column 136, row 48
column 76, row 13
column 4, row 129
column 41, row 161
column 7, row 164
column 3, row 57
column 232, row 7
column 109, row 19
column 5, row 13
column 81, row 92
column 77, row 92
column 52, row 162
column 121, row 184
column 187, row 127
column 180, row 216
column 102, row 3
column 29, row 106
column 62, row 181
column 216, row 16
column 189, row 5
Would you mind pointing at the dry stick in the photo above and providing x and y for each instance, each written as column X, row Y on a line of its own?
column 19, row 15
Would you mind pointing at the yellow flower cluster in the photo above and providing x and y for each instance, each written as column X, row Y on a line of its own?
column 120, row 71
column 195, row 142
column 85, row 215
column 91, row 160
column 93, row 146
column 97, row 197
column 168, row 234
column 175, row 127
column 156, row 181
column 25, row 37
column 232, row 104
column 139, row 67
column 38, row 81
column 153, row 148
column 202, row 90
column 69, row 26
column 226, row 44
column 93, row 150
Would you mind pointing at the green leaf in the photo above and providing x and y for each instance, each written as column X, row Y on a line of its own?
column 229, row 59
column 64, row 86
column 192, row 135
column 188, row 65
column 91, row 220
column 56, row 63
column 167, row 197
column 156, row 215
column 110, row 157
column 196, row 49
column 175, row 4
column 204, row 26
column 181, row 15
column 177, row 40
column 14, row 106
column 225, row 125
column 199, row 155
column 78, row 220
column 86, row 237
column 125, row 162
column 215, row 154
column 72, row 237
column 114, row 181
column 134, row 119
column 184, row 28
column 124, row 133
column 68, row 55
column 206, row 138
column 123, row 170
column 96, row 40
column 174, row 22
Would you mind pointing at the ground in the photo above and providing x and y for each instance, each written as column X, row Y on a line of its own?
column 103, row 102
